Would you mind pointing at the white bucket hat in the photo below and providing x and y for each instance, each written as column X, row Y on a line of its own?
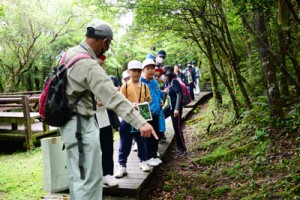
column 125, row 74
column 148, row 62
column 134, row 64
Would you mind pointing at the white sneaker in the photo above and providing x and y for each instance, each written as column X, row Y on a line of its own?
column 158, row 160
column 110, row 181
column 135, row 148
column 158, row 155
column 144, row 167
column 152, row 162
column 121, row 172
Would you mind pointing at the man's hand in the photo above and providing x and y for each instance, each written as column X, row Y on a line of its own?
column 176, row 113
column 147, row 130
column 99, row 104
column 135, row 105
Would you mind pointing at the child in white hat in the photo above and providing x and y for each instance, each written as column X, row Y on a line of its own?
column 136, row 92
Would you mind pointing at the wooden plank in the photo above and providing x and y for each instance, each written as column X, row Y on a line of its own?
column 45, row 127
column 57, row 196
column 206, row 87
column 132, row 181
column 21, row 93
column 15, row 136
column 11, row 105
column 17, row 117
column 5, row 108
column 65, row 196
column 17, row 98
column 10, row 135
column 43, row 133
column 36, row 127
column 7, row 99
column 20, row 115
column 131, row 175
column 197, row 98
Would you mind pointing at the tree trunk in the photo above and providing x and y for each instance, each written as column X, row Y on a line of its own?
column 269, row 69
column 29, row 83
column 223, row 78
column 233, row 57
column 213, row 76
column 9, row 84
column 292, row 54
column 36, row 80
column 214, row 85
column 283, row 84
column 14, row 77
column 1, row 87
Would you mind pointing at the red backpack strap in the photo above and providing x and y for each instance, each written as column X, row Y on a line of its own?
column 63, row 58
column 76, row 58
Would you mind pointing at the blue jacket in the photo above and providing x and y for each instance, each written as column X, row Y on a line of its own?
column 155, row 93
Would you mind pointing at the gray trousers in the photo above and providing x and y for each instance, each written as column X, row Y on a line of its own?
column 91, row 187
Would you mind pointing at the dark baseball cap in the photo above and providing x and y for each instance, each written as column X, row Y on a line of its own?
column 162, row 53
column 99, row 29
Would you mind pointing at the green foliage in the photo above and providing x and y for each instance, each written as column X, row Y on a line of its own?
column 31, row 45
column 180, row 196
column 180, row 28
column 260, row 135
column 210, row 143
column 292, row 120
column 223, row 153
column 257, row 162
column 167, row 188
column 259, row 115
column 1, row 10
column 234, row 169
column 219, row 191
column 25, row 40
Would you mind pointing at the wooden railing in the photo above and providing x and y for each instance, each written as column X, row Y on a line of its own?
column 16, row 109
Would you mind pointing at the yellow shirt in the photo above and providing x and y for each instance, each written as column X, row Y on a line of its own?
column 136, row 93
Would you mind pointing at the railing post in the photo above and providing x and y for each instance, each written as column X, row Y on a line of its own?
column 27, row 122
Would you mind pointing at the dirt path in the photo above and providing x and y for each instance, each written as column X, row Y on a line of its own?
column 163, row 186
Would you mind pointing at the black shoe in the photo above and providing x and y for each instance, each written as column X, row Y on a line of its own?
column 181, row 153
column 162, row 140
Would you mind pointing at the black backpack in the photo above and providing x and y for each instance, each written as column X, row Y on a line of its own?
column 54, row 107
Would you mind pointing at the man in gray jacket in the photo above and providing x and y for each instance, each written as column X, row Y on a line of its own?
column 87, row 75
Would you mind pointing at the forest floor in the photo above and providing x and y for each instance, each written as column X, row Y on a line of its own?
column 229, row 162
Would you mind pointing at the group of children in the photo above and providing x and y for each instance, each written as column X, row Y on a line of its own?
column 148, row 82
column 145, row 85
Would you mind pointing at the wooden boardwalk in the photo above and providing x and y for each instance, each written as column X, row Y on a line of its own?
column 131, row 184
